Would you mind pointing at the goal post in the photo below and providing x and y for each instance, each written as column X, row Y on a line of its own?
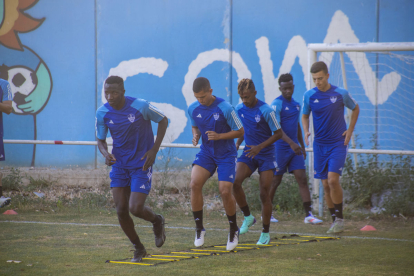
column 381, row 78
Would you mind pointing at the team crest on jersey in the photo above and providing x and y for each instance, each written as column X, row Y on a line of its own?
column 333, row 99
column 257, row 118
column 131, row 118
column 297, row 107
column 216, row 116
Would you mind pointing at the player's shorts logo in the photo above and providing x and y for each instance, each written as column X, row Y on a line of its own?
column 257, row 118
column 333, row 99
column 216, row 116
column 131, row 118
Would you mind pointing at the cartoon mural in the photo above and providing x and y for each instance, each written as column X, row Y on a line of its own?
column 27, row 73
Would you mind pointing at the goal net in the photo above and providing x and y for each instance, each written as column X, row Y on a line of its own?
column 380, row 77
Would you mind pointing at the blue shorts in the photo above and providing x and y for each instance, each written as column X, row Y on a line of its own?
column 288, row 161
column 137, row 179
column 2, row 154
column 258, row 162
column 226, row 167
column 329, row 158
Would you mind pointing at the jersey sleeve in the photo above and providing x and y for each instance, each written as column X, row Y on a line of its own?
column 7, row 94
column 190, row 112
column 348, row 100
column 276, row 105
column 270, row 116
column 305, row 106
column 101, row 128
column 148, row 111
column 232, row 118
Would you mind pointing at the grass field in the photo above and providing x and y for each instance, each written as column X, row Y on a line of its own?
column 70, row 242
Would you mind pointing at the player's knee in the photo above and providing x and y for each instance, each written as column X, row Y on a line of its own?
column 333, row 182
column 225, row 192
column 237, row 184
column 194, row 186
column 123, row 213
column 265, row 195
column 137, row 210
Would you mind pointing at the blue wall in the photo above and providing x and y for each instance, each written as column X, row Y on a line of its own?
column 159, row 47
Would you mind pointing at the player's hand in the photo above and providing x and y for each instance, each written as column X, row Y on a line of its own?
column 237, row 146
column 110, row 159
column 196, row 138
column 253, row 151
column 304, row 153
column 212, row 135
column 348, row 136
column 150, row 155
column 307, row 134
column 296, row 148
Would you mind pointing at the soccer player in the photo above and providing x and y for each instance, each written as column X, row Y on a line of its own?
column 5, row 107
column 216, row 122
column 129, row 122
column 330, row 146
column 261, row 131
column 287, row 113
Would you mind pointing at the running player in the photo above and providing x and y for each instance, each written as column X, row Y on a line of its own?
column 129, row 122
column 261, row 131
column 287, row 113
column 330, row 146
column 216, row 122
column 5, row 107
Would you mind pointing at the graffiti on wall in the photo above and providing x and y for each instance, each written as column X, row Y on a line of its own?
column 27, row 73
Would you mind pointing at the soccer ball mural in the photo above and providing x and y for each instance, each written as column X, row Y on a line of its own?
column 30, row 79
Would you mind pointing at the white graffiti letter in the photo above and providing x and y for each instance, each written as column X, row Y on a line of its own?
column 202, row 61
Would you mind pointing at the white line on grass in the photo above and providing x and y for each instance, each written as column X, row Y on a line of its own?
column 210, row 229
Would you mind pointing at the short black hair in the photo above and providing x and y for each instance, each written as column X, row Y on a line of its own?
column 245, row 84
column 319, row 66
column 201, row 84
column 114, row 79
column 285, row 78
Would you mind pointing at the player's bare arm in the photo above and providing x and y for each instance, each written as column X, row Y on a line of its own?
column 212, row 135
column 255, row 149
column 6, row 107
column 300, row 140
column 305, row 124
column 103, row 148
column 196, row 135
column 295, row 147
column 352, row 123
column 239, row 142
column 152, row 153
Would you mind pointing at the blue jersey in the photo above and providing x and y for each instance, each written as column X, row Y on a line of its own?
column 130, row 129
column 328, row 113
column 5, row 95
column 287, row 113
column 219, row 117
column 259, row 123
